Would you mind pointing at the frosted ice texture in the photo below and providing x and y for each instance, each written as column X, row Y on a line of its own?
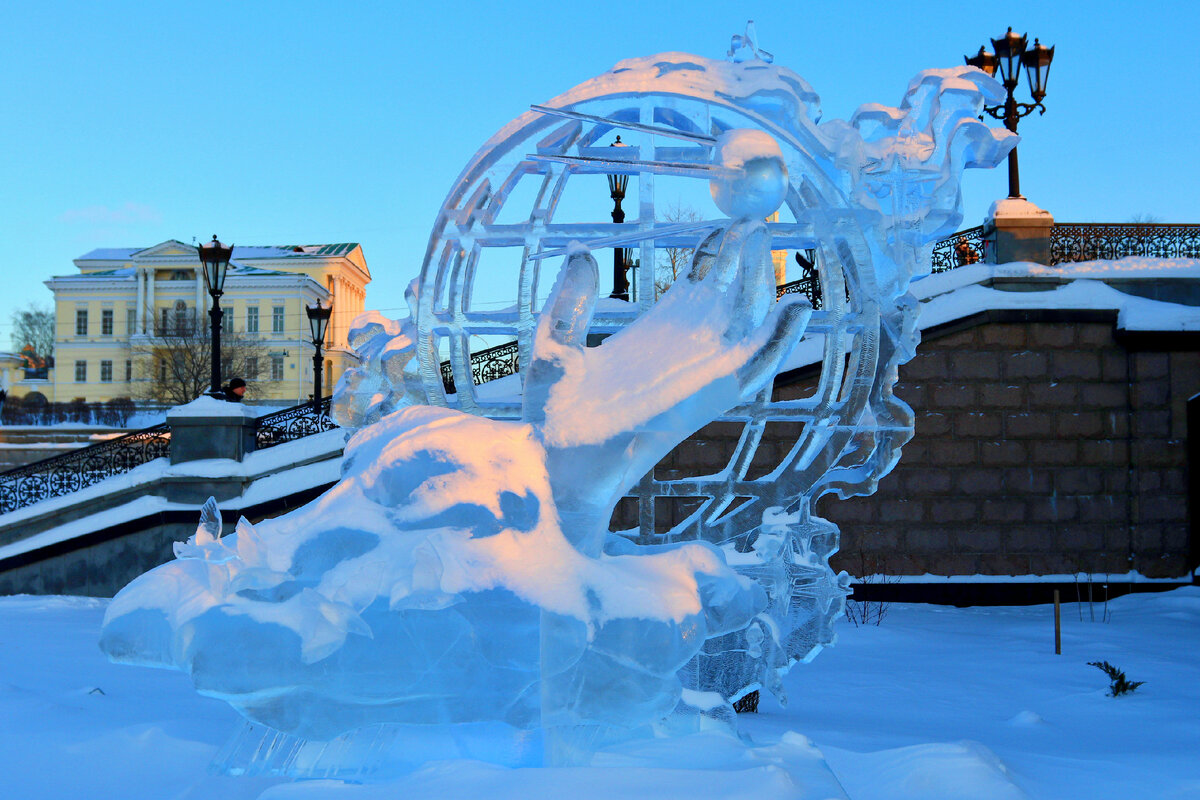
column 462, row 571
column 386, row 377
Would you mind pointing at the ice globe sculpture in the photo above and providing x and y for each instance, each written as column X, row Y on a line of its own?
column 869, row 196
column 458, row 592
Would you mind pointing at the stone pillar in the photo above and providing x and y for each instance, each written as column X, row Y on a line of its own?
column 210, row 428
column 1019, row 231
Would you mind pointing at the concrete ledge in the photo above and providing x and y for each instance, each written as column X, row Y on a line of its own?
column 100, row 562
column 1002, row 594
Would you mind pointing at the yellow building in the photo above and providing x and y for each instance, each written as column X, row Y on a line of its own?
column 124, row 298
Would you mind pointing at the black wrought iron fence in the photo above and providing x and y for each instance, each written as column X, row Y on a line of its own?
column 809, row 285
column 1074, row 241
column 486, row 365
column 959, row 249
column 70, row 472
column 293, row 423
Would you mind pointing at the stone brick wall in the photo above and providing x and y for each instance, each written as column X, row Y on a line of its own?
column 1046, row 443
column 1042, row 446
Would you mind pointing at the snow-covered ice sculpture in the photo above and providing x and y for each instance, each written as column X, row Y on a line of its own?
column 462, row 572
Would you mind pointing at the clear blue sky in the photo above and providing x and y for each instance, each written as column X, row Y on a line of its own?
column 125, row 124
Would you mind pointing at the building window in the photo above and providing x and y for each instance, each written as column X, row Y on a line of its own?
column 106, row 372
column 81, row 370
column 252, row 319
column 251, row 368
column 182, row 323
column 227, row 320
column 81, row 322
column 131, row 321
column 164, row 321
column 277, row 319
column 128, row 371
column 106, row 322
column 276, row 368
column 162, row 370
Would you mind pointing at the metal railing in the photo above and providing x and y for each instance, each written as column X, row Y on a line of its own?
column 1073, row 241
column 70, row 472
column 293, row 423
column 959, row 249
column 486, row 365
column 809, row 285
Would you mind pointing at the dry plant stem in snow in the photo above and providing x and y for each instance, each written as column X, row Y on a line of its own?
column 870, row 612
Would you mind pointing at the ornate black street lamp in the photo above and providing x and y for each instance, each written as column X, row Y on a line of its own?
column 616, row 190
column 215, row 258
column 318, row 321
column 1011, row 54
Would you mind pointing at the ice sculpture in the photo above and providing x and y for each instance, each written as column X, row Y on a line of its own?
column 462, row 572
column 867, row 196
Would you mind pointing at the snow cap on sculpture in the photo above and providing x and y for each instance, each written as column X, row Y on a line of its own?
column 757, row 177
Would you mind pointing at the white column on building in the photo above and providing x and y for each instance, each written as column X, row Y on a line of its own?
column 150, row 300
column 199, row 297
column 339, row 303
column 140, row 318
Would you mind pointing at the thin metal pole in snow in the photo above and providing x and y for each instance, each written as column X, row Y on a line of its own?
column 1057, row 626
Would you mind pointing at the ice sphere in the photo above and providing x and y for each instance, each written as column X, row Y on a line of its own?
column 758, row 181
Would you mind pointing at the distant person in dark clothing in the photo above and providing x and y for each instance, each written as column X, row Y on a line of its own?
column 235, row 390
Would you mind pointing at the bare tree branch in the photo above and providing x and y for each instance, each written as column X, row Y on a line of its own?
column 33, row 328
column 674, row 261
column 174, row 365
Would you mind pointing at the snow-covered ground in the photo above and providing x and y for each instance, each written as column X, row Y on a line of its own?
column 936, row 702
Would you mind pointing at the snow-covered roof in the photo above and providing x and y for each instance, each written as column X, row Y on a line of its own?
column 292, row 250
column 110, row 254
column 243, row 269
column 124, row 272
column 240, row 252
column 235, row 270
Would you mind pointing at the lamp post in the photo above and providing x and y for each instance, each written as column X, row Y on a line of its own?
column 318, row 321
column 1011, row 54
column 215, row 258
column 616, row 190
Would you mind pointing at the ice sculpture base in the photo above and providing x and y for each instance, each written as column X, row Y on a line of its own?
column 374, row 753
column 466, row 761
